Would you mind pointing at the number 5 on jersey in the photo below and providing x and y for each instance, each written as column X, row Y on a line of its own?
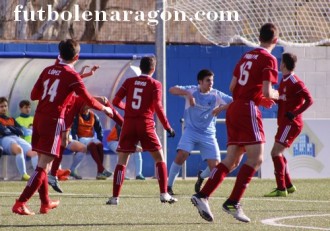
column 137, row 98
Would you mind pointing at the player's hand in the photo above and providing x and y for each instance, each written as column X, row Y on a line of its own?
column 217, row 110
column 108, row 111
column 274, row 94
column 290, row 115
column 266, row 102
column 138, row 148
column 171, row 132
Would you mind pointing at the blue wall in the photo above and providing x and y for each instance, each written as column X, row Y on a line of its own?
column 183, row 63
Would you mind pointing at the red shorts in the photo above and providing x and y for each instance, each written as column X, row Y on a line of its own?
column 46, row 135
column 287, row 133
column 135, row 130
column 244, row 124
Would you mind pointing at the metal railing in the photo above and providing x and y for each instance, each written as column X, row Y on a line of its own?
column 184, row 166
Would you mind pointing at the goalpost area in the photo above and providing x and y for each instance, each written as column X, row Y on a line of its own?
column 118, row 62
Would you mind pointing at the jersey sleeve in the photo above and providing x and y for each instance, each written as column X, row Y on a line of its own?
column 223, row 99
column 304, row 93
column 36, row 92
column 269, row 72
column 121, row 93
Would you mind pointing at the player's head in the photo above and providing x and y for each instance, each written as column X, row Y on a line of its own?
column 289, row 61
column 69, row 50
column 148, row 65
column 25, row 106
column 3, row 105
column 268, row 33
column 205, row 80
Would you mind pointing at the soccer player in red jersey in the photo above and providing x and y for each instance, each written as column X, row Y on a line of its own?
column 53, row 89
column 294, row 99
column 251, row 85
column 143, row 98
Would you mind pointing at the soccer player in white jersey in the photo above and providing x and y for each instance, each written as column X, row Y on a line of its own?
column 203, row 104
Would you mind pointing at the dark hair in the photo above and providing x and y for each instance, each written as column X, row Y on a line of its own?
column 268, row 32
column 289, row 60
column 204, row 73
column 3, row 99
column 68, row 49
column 147, row 64
column 24, row 102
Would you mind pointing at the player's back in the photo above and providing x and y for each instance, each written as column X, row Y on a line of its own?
column 254, row 67
column 141, row 91
column 54, row 89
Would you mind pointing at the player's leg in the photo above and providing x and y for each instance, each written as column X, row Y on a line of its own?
column 17, row 151
column 38, row 179
column 105, row 173
column 279, row 171
column 80, row 151
column 119, row 177
column 175, row 169
column 185, row 146
column 232, row 205
column 210, row 152
column 138, row 166
column 161, row 175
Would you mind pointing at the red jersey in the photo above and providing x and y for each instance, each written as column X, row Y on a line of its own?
column 143, row 98
column 293, row 97
column 55, row 87
column 254, row 67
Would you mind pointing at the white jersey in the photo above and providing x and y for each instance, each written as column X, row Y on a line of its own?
column 199, row 117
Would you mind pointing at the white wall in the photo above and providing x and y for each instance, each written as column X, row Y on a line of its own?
column 313, row 68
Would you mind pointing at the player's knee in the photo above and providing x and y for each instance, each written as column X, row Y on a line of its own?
column 16, row 149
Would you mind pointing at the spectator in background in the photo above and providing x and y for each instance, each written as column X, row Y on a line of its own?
column 1, row 151
column 25, row 119
column 112, row 140
column 12, row 143
column 85, row 124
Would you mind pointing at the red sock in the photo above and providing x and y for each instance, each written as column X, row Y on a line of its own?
column 33, row 184
column 161, row 174
column 57, row 162
column 118, row 179
column 95, row 155
column 217, row 175
column 43, row 191
column 100, row 151
column 287, row 177
column 279, row 171
column 243, row 179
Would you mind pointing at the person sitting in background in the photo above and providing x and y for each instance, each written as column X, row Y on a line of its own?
column 25, row 119
column 1, row 151
column 112, row 141
column 84, row 126
column 12, row 143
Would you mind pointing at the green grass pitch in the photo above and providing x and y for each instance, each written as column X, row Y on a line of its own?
column 83, row 207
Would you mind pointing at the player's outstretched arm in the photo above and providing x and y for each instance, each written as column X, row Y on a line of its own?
column 84, row 74
column 178, row 91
